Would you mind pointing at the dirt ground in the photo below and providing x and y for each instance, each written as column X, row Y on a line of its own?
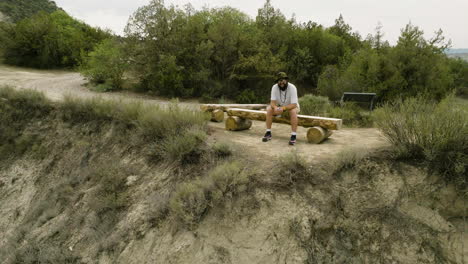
column 57, row 84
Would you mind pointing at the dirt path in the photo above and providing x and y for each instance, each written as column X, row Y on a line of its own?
column 57, row 84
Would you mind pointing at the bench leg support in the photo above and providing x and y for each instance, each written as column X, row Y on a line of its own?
column 234, row 123
column 217, row 115
column 317, row 135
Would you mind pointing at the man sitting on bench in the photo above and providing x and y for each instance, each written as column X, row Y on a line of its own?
column 283, row 101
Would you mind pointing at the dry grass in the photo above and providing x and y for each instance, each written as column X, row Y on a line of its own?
column 435, row 132
column 192, row 200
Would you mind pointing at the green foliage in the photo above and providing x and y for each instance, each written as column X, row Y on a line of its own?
column 314, row 105
column 50, row 40
column 352, row 115
column 105, row 66
column 415, row 66
column 21, row 9
column 459, row 68
column 438, row 133
column 222, row 52
column 246, row 97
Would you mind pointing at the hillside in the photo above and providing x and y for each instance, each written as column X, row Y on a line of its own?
column 126, row 182
column 463, row 56
column 20, row 9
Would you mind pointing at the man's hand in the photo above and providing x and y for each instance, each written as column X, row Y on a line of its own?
column 279, row 109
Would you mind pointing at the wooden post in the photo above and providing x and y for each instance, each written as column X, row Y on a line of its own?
column 217, row 115
column 234, row 123
column 318, row 134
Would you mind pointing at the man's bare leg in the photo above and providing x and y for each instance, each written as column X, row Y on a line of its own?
column 293, row 114
column 269, row 117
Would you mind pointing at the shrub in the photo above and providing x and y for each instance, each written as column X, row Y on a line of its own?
column 222, row 150
column 246, row 97
column 438, row 133
column 109, row 194
column 225, row 181
column 292, row 169
column 184, row 148
column 50, row 40
column 17, row 110
column 157, row 123
column 191, row 200
column 105, row 66
column 314, row 105
column 352, row 115
column 77, row 110
column 189, row 203
column 348, row 159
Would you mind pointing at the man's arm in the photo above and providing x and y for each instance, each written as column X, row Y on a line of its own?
column 289, row 107
column 273, row 104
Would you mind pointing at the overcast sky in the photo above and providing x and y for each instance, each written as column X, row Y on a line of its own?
column 362, row 15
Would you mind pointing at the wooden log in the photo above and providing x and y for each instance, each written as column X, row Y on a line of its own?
column 318, row 134
column 224, row 107
column 234, row 123
column 217, row 115
column 303, row 120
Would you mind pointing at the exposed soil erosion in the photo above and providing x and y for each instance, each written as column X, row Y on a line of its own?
column 93, row 197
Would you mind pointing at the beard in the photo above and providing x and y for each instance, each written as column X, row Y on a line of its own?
column 284, row 87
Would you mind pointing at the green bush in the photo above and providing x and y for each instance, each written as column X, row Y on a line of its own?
column 50, row 41
column 105, row 66
column 438, row 133
column 352, row 115
column 314, row 105
column 247, row 97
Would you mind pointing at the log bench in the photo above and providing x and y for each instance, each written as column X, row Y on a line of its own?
column 217, row 110
column 320, row 128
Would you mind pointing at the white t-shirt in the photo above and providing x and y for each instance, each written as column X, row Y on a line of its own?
column 287, row 97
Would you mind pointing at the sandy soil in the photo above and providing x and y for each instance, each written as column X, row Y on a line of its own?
column 57, row 84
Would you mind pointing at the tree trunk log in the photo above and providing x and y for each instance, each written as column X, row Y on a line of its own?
column 217, row 115
column 303, row 120
column 317, row 134
column 235, row 123
column 224, row 107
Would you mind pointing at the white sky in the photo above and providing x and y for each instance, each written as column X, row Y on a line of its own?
column 362, row 15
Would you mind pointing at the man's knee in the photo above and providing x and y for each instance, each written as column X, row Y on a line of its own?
column 293, row 112
column 269, row 110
